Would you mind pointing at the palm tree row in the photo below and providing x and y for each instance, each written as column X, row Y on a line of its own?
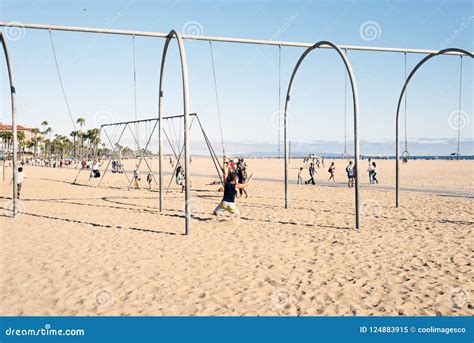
column 58, row 146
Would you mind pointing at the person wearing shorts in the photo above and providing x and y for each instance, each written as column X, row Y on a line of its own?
column 20, row 178
column 350, row 175
column 230, row 193
column 136, row 177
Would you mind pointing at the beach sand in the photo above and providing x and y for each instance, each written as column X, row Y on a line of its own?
column 83, row 250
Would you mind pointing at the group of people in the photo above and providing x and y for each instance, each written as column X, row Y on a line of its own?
column 350, row 172
column 235, row 178
column 239, row 169
column 117, row 167
column 47, row 162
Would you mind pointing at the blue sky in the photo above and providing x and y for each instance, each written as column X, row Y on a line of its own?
column 98, row 74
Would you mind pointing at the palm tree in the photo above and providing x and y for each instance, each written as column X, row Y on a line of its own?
column 81, row 121
column 74, row 134
column 44, row 125
column 34, row 140
column 93, row 138
column 20, row 136
column 47, row 142
column 3, row 137
column 7, row 140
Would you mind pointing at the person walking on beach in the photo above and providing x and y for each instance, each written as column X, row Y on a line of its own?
column 242, row 176
column 300, row 177
column 312, row 171
column 230, row 193
column 331, row 170
column 350, row 175
column 370, row 170
column 20, row 178
column 149, row 179
column 374, row 173
column 136, row 177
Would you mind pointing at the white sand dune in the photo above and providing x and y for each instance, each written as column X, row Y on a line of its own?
column 82, row 250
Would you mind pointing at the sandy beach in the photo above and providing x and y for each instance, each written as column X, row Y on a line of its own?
column 83, row 250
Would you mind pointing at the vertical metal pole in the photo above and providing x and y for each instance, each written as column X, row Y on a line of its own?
column 459, row 108
column 355, row 99
column 160, row 126
column 3, row 161
column 397, row 160
column 14, row 129
column 285, row 141
column 187, row 148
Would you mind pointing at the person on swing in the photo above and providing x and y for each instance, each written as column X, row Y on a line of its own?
column 230, row 192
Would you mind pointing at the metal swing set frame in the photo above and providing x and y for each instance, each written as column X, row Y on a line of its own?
column 173, row 34
column 121, row 128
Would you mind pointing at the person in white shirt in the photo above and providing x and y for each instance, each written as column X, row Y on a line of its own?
column 21, row 176
column 136, row 177
column 95, row 169
column 370, row 170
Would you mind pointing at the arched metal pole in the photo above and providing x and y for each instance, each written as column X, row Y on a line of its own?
column 397, row 118
column 187, row 148
column 355, row 101
column 14, row 129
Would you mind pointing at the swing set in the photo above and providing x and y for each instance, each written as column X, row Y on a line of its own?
column 173, row 34
column 144, row 153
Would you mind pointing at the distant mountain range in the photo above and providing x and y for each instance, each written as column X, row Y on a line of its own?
column 420, row 147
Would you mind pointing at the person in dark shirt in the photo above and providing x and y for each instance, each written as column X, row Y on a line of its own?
column 311, row 174
column 242, row 177
column 230, row 192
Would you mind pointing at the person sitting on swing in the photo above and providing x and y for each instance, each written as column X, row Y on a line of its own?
column 95, row 169
column 230, row 193
column 136, row 177
column 180, row 178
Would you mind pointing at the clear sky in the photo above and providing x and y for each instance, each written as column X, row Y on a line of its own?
column 97, row 70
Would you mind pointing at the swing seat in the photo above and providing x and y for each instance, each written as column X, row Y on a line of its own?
column 405, row 155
